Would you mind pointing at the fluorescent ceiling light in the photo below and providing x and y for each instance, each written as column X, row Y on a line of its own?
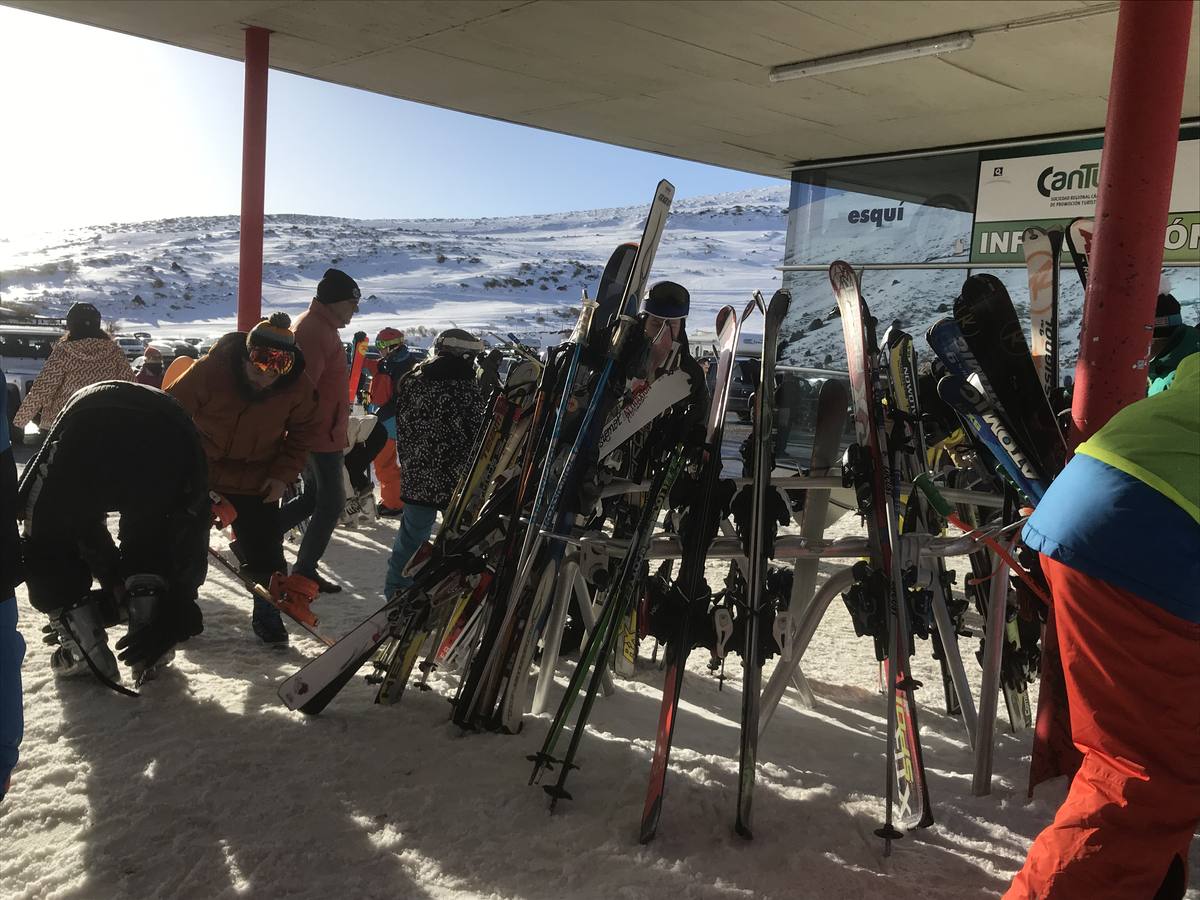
column 875, row 56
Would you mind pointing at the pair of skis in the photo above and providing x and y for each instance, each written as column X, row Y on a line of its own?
column 878, row 489
column 696, row 532
column 929, row 584
column 1043, row 252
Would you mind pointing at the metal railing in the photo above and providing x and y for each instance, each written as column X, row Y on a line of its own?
column 951, row 264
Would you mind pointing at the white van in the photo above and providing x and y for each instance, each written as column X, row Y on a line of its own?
column 25, row 345
column 131, row 345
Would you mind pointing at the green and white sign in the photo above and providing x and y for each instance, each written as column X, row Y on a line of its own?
column 1051, row 189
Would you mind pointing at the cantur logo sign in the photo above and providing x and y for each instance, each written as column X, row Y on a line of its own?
column 1054, row 181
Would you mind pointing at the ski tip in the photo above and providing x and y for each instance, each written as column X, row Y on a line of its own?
column 742, row 830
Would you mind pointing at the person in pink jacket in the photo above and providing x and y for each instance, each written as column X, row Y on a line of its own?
column 324, row 494
column 83, row 356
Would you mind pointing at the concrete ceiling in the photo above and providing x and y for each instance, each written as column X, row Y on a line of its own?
column 687, row 78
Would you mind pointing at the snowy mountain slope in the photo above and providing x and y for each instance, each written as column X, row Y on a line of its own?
column 523, row 273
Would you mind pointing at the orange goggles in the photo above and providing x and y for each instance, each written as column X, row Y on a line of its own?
column 278, row 362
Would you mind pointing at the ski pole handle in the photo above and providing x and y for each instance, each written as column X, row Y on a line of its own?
column 925, row 484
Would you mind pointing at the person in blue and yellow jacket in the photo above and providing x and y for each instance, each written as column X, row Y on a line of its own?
column 1118, row 538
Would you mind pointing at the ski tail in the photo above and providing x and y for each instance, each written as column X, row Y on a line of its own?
column 639, row 275
column 1080, row 234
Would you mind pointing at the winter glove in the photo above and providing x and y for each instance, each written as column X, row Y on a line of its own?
column 176, row 622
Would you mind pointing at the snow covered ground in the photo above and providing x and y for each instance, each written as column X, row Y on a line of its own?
column 207, row 786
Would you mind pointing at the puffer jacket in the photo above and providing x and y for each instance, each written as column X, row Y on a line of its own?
column 248, row 436
column 439, row 406
column 72, row 365
column 317, row 337
column 387, row 374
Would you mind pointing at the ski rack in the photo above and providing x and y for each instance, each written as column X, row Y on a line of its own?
column 587, row 550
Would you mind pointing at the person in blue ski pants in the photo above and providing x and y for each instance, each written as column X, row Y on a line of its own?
column 439, row 406
column 12, row 645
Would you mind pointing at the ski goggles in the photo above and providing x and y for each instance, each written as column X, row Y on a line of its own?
column 267, row 359
column 386, row 347
column 654, row 326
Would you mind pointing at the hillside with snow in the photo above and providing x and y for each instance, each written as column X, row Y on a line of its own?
column 521, row 273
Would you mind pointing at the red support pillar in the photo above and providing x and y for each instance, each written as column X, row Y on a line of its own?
column 254, row 175
column 1136, row 170
column 1140, row 137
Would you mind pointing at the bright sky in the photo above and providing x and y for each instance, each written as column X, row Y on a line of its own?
column 102, row 127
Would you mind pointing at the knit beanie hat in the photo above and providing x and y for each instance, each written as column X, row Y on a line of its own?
column 274, row 333
column 336, row 286
column 667, row 300
column 1167, row 315
column 83, row 316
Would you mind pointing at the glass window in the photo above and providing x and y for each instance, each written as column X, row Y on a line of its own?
column 897, row 213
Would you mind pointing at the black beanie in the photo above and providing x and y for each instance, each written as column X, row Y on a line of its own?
column 83, row 317
column 336, row 286
column 667, row 300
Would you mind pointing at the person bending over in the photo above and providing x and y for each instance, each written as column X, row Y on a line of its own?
column 130, row 449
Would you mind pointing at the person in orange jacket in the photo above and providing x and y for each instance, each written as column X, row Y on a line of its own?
column 256, row 411
column 396, row 362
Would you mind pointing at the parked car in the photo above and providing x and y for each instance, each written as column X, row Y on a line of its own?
column 207, row 344
column 131, row 345
column 745, row 376
column 25, row 345
column 171, row 348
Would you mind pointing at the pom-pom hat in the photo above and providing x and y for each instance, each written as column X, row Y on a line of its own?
column 274, row 333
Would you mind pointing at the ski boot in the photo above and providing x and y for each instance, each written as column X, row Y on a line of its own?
column 351, row 512
column 80, row 636
column 294, row 594
column 367, row 512
column 145, row 594
column 267, row 624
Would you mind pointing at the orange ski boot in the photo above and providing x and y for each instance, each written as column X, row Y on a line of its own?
column 293, row 594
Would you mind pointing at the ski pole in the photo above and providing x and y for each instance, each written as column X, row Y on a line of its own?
column 925, row 484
